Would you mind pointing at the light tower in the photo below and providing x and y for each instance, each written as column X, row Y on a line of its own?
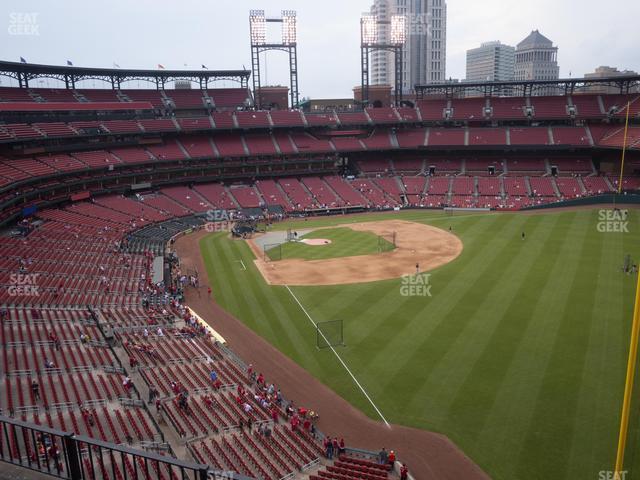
column 258, row 30
column 369, row 42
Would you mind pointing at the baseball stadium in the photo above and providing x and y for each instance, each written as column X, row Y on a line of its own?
column 204, row 282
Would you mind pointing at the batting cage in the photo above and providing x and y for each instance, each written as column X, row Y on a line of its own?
column 272, row 252
column 386, row 242
column 329, row 334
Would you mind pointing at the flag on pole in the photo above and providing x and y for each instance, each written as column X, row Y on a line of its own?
column 70, row 63
column 22, row 60
column 161, row 66
column 116, row 65
column 204, row 66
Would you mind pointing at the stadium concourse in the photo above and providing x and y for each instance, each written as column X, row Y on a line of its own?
column 96, row 338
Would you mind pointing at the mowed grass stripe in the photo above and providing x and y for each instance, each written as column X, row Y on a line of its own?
column 521, row 342
column 601, row 388
column 452, row 312
column 551, row 436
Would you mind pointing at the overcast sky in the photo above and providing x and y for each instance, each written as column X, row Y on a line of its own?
column 144, row 33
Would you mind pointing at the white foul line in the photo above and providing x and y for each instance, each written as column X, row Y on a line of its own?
column 340, row 359
column 243, row 267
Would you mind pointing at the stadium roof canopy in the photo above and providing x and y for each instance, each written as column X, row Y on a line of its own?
column 25, row 72
column 567, row 86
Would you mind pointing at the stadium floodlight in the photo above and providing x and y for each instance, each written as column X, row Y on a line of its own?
column 369, row 26
column 289, row 22
column 398, row 29
column 258, row 27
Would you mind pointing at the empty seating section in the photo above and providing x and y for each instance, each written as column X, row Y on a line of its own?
column 253, row 119
column 480, row 166
column 321, row 119
column 572, row 165
column 408, row 165
column 463, row 201
column 199, row 123
column 411, row 138
column 34, row 168
column 432, row 110
column 229, row 145
column 322, row 193
column 529, row 136
column 11, row 94
column 273, row 194
column 260, row 144
column 463, row 186
column 229, row 98
column 408, row 114
column 515, row 186
column 55, row 129
column 570, row 136
column 217, row 195
column 247, row 197
column 97, row 158
column 297, row 193
column 132, row 155
column 99, row 95
column 369, row 190
column 22, row 130
column 549, row 107
column 489, row 186
column 346, row 144
column 379, row 139
column 284, row 142
column 542, row 187
column 470, row 109
column 439, row 185
column 444, row 164
column 346, row 191
column 121, row 126
column 158, row 125
column 188, row 198
column 55, row 94
column 353, row 118
column 198, row 146
column 154, row 97
column 374, row 165
column 286, row 118
column 223, row 119
column 391, row 187
column 385, row 115
column 596, row 185
column 187, row 99
column 136, row 209
column 617, row 139
column 569, row 187
column 526, row 165
column 165, row 204
column 587, row 106
column 62, row 162
column 487, row 136
column 445, row 136
column 305, row 142
column 170, row 150
column 507, row 108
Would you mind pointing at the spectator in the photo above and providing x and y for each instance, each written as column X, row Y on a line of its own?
column 383, row 457
column 404, row 472
column 213, row 376
column 35, row 388
column 392, row 458
column 342, row 450
column 328, row 445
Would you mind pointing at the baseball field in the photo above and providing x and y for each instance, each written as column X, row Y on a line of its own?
column 515, row 348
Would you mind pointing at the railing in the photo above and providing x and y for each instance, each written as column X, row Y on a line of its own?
column 76, row 457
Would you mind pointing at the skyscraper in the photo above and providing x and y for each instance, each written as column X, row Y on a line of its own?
column 536, row 58
column 491, row 62
column 424, row 57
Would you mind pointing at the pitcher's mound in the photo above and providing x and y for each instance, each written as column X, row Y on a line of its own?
column 315, row 241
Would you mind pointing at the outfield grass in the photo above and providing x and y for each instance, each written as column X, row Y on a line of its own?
column 345, row 242
column 519, row 355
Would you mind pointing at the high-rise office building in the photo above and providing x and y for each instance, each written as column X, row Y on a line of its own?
column 424, row 57
column 491, row 62
column 536, row 58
